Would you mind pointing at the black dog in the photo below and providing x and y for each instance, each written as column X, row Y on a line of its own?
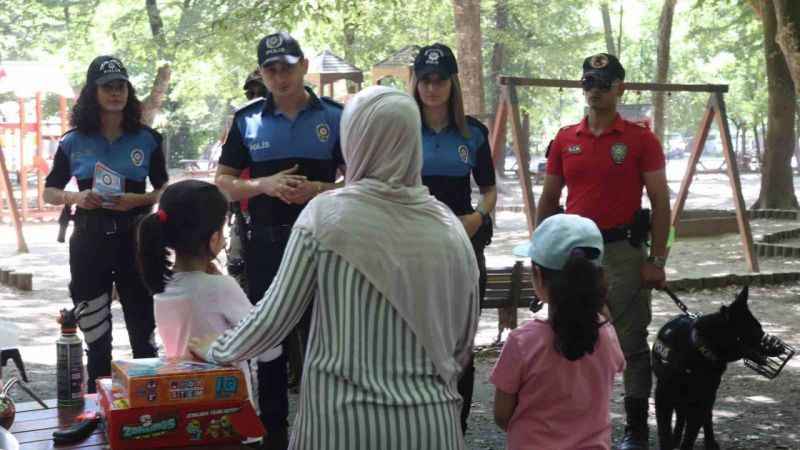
column 689, row 357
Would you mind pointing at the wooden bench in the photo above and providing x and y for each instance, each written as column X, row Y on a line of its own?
column 508, row 289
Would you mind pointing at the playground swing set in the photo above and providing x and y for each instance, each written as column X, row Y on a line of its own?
column 508, row 110
column 23, row 138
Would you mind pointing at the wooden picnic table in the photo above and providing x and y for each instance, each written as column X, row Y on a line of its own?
column 34, row 427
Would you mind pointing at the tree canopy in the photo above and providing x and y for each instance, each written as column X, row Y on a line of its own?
column 209, row 46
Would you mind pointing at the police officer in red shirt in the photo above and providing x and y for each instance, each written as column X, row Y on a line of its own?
column 605, row 161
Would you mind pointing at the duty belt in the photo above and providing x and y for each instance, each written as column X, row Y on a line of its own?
column 270, row 233
column 104, row 223
column 616, row 234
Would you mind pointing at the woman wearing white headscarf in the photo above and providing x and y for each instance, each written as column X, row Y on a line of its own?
column 390, row 271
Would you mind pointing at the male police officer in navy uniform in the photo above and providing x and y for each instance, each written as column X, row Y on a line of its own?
column 290, row 142
column 605, row 161
column 108, row 130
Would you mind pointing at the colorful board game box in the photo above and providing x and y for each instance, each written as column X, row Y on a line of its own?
column 161, row 381
column 199, row 423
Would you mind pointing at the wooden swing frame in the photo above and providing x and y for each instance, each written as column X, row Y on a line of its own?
column 508, row 108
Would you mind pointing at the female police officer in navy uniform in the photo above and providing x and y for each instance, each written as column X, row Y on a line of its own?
column 108, row 130
column 454, row 146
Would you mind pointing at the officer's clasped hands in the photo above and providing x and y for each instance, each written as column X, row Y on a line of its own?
column 283, row 185
column 304, row 192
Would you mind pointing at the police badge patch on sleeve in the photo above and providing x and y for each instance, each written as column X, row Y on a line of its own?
column 574, row 149
column 618, row 152
column 323, row 132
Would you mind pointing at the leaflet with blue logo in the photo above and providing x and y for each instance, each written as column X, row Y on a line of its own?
column 108, row 184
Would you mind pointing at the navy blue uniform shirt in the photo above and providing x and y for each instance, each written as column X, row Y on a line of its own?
column 448, row 160
column 265, row 140
column 135, row 155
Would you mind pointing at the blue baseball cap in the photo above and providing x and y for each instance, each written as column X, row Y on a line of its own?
column 558, row 237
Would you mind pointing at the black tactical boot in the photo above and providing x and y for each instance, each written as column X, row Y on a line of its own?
column 636, row 431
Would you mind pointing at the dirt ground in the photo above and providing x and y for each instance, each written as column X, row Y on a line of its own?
column 751, row 412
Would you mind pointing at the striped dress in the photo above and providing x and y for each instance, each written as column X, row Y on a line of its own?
column 367, row 381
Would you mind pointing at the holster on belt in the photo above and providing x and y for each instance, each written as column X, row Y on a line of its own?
column 640, row 228
column 483, row 237
column 636, row 233
column 63, row 222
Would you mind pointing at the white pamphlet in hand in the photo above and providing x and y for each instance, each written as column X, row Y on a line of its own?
column 108, row 184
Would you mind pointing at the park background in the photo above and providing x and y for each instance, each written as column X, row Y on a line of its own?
column 189, row 58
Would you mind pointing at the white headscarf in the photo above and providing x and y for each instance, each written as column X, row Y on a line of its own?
column 385, row 223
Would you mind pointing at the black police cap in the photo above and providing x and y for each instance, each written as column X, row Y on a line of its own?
column 604, row 66
column 436, row 58
column 253, row 77
column 279, row 47
column 104, row 69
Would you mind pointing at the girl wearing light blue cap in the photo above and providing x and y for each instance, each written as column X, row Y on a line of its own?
column 554, row 377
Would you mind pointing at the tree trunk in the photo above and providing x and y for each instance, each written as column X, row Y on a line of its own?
column 777, row 184
column 619, row 31
column 156, row 27
column 349, row 51
column 498, row 52
column 787, row 35
column 757, row 138
column 495, row 70
column 467, row 15
column 662, row 66
column 609, row 33
column 151, row 105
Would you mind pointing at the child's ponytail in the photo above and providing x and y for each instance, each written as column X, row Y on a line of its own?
column 577, row 296
column 152, row 256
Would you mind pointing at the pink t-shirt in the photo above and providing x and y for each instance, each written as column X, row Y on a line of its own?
column 561, row 404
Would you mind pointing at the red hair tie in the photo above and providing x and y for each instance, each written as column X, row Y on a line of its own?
column 162, row 216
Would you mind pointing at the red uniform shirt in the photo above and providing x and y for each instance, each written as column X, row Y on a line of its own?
column 603, row 174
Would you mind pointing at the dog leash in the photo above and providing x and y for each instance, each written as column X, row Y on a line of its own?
column 682, row 306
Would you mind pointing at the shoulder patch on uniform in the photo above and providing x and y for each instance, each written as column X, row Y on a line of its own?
column 478, row 124
column 247, row 106
column 331, row 102
column 155, row 133
column 71, row 130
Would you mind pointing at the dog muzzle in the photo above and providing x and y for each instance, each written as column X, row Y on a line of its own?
column 776, row 354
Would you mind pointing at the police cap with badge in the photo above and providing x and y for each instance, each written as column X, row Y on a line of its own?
column 601, row 70
column 105, row 69
column 436, row 58
column 279, row 47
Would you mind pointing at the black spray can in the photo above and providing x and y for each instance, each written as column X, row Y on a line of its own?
column 69, row 365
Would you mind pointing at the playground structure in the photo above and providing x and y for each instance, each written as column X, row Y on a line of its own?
column 27, row 139
column 399, row 65
column 328, row 68
column 508, row 109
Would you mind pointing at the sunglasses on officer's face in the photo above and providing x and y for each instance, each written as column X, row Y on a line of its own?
column 590, row 83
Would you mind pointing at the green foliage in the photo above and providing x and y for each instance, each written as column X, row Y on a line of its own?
column 210, row 46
